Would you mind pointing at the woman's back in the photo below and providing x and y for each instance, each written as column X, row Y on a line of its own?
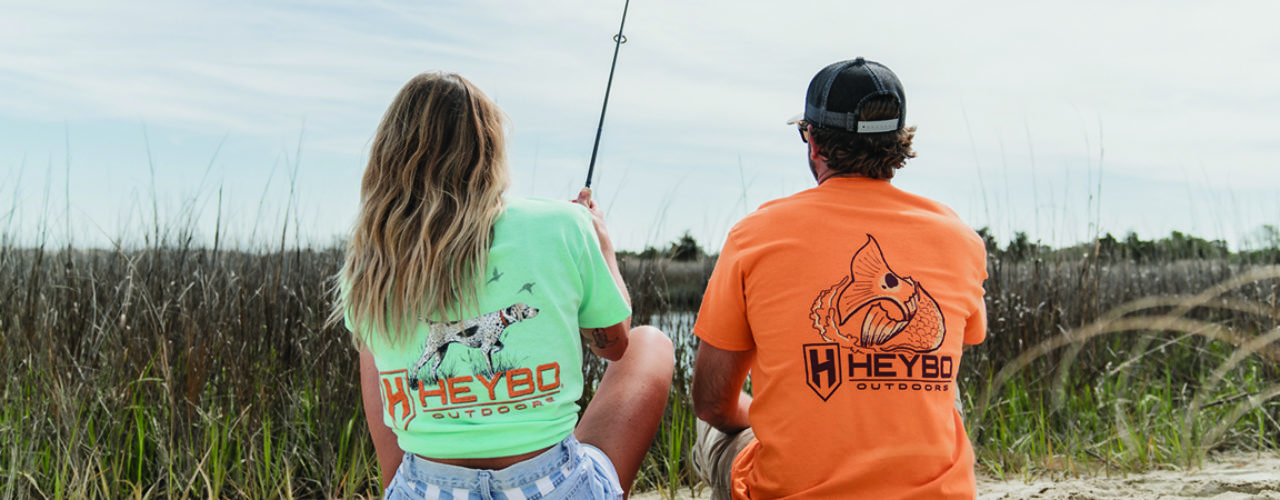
column 505, row 378
column 468, row 310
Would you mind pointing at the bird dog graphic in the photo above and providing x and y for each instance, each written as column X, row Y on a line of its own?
column 874, row 308
column 483, row 332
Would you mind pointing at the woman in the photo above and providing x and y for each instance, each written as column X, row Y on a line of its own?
column 469, row 311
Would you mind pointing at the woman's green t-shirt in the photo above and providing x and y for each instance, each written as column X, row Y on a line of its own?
column 505, row 380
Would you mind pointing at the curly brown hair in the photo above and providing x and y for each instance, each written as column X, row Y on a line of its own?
column 871, row 155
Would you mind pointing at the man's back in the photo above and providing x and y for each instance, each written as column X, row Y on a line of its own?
column 856, row 298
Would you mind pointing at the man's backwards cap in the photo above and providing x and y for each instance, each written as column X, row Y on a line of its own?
column 837, row 93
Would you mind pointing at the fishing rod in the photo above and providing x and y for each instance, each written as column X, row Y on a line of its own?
column 618, row 40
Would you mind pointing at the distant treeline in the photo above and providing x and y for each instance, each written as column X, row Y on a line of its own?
column 683, row 249
column 1130, row 248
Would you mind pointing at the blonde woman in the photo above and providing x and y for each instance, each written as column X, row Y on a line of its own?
column 470, row 310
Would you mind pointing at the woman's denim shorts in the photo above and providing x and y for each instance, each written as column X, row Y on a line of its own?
column 569, row 470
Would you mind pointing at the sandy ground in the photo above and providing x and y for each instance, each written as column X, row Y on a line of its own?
column 1232, row 477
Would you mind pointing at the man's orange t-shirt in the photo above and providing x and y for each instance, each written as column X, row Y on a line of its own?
column 856, row 298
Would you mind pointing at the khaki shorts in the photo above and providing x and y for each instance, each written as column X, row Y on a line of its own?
column 713, row 456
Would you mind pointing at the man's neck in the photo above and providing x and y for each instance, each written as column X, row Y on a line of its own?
column 829, row 174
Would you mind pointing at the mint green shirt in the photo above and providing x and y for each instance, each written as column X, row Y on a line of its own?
column 505, row 381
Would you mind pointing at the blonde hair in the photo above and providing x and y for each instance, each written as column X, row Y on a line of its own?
column 430, row 196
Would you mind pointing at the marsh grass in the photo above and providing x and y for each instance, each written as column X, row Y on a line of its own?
column 173, row 372
column 1144, row 365
column 178, row 371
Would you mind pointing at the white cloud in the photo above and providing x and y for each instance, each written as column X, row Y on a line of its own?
column 1160, row 86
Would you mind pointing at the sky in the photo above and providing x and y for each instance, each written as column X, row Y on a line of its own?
column 1063, row 120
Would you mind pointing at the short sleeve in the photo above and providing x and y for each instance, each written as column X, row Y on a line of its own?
column 602, row 302
column 722, row 319
column 975, row 325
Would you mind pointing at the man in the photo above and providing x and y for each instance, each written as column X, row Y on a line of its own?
column 849, row 304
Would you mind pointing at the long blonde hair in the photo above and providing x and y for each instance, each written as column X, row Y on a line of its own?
column 430, row 196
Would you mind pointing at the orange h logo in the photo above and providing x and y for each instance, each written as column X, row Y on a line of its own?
column 397, row 398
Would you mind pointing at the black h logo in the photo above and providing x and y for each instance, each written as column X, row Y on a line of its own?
column 822, row 367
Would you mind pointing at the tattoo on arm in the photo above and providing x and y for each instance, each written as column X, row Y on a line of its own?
column 602, row 339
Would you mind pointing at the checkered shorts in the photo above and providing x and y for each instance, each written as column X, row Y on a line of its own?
column 569, row 470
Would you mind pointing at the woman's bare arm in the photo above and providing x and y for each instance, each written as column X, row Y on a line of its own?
column 384, row 439
column 608, row 342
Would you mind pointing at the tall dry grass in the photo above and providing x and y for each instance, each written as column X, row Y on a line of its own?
column 1125, row 365
column 176, row 371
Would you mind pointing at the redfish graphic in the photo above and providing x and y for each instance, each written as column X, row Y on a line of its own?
column 876, row 308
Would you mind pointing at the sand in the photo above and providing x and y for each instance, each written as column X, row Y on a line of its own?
column 1229, row 477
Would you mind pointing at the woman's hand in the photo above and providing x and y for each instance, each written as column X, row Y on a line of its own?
column 597, row 219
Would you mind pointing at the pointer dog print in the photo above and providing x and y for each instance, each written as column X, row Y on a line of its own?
column 483, row 333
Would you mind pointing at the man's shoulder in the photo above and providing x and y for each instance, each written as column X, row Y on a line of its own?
column 928, row 212
column 946, row 228
column 770, row 218
column 780, row 208
column 813, row 202
column 930, row 204
column 866, row 208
